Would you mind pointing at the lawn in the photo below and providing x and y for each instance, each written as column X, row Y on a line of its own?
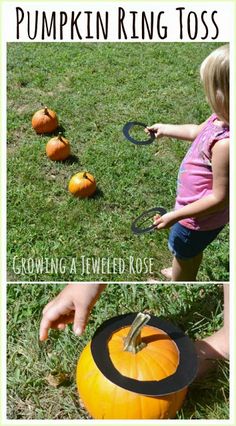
column 197, row 309
column 95, row 89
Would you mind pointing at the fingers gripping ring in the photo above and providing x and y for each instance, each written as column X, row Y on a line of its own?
column 137, row 226
column 128, row 126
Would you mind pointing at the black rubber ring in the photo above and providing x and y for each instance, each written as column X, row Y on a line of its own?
column 148, row 214
column 185, row 372
column 126, row 130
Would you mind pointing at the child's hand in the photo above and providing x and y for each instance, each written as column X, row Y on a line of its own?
column 165, row 221
column 72, row 305
column 157, row 129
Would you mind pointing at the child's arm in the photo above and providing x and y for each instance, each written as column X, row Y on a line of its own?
column 183, row 131
column 72, row 305
column 212, row 203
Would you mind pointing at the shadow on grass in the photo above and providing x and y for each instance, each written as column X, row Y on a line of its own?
column 59, row 129
column 98, row 194
column 67, row 383
column 199, row 395
column 213, row 386
column 72, row 159
column 202, row 306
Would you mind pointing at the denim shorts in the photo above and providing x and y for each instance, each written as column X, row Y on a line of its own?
column 185, row 243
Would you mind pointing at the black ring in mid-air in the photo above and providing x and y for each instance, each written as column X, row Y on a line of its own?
column 126, row 130
column 148, row 214
column 186, row 370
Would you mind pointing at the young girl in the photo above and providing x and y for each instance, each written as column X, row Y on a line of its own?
column 201, row 208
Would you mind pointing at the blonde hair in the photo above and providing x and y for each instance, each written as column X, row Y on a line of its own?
column 214, row 72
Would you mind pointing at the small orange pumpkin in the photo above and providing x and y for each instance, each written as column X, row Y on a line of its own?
column 45, row 121
column 151, row 357
column 82, row 185
column 58, row 148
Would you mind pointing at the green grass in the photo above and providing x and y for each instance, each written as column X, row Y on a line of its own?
column 96, row 89
column 197, row 309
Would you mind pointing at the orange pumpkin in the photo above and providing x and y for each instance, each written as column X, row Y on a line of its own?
column 150, row 356
column 44, row 121
column 82, row 185
column 58, row 148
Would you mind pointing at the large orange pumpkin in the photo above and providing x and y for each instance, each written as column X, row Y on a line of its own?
column 45, row 121
column 58, row 148
column 82, row 185
column 140, row 352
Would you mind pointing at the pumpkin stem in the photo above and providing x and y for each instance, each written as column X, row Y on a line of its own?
column 85, row 176
column 60, row 136
column 133, row 342
column 46, row 110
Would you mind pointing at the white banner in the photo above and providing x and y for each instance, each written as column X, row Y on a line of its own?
column 118, row 21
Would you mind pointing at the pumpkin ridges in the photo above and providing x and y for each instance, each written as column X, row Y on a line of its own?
column 116, row 397
column 129, row 367
column 44, row 122
column 121, row 358
column 156, row 345
column 172, row 352
column 81, row 186
column 157, row 407
column 146, row 372
column 58, row 148
column 164, row 356
column 125, row 364
column 160, row 372
column 148, row 410
column 174, row 402
column 179, row 399
column 142, row 406
column 165, row 407
column 98, row 382
column 114, row 402
column 153, row 348
column 88, row 366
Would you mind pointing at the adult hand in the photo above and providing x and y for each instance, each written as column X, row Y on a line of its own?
column 72, row 305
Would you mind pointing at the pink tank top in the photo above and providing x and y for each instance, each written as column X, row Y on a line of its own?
column 195, row 176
